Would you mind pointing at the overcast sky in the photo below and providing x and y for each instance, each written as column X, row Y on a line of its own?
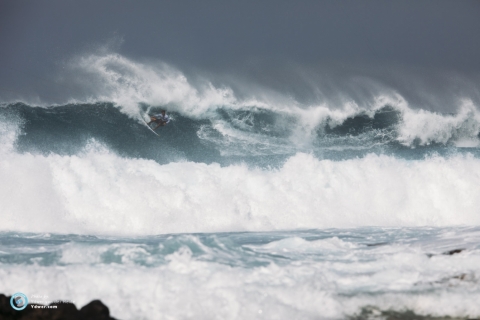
column 239, row 36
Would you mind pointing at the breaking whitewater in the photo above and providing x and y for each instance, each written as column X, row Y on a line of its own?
column 248, row 207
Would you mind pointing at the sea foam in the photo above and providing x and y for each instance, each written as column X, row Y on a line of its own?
column 100, row 192
column 396, row 276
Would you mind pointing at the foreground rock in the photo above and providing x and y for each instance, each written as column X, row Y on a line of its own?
column 95, row 310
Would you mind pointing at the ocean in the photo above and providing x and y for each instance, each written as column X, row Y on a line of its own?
column 243, row 207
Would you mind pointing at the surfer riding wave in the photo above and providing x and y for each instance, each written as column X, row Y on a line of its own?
column 160, row 119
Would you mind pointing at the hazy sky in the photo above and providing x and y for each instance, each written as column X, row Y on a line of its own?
column 254, row 38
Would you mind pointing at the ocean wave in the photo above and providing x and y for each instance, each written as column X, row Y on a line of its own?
column 224, row 121
column 100, row 192
column 256, row 136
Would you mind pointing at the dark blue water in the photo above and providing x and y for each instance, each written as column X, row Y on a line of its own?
column 255, row 137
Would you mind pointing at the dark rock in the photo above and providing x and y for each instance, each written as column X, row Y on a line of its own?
column 376, row 244
column 374, row 313
column 6, row 310
column 452, row 252
column 447, row 253
column 94, row 310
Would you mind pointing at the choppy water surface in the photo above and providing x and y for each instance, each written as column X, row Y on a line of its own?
column 309, row 274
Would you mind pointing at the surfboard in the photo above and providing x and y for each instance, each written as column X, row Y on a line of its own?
column 148, row 126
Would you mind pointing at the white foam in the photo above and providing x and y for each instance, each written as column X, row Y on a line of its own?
column 10, row 129
column 185, row 287
column 100, row 192
column 427, row 127
column 300, row 245
column 233, row 142
column 115, row 78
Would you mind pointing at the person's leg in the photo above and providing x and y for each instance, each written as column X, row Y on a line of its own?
column 152, row 119
column 160, row 124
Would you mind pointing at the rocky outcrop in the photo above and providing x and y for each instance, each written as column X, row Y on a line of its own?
column 95, row 310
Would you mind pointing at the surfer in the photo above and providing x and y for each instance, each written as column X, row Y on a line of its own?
column 160, row 119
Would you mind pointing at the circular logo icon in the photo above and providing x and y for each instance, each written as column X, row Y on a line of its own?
column 19, row 301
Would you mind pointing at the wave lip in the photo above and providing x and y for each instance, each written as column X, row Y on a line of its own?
column 422, row 127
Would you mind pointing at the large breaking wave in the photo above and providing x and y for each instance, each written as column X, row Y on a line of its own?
column 227, row 163
column 118, row 178
column 256, row 136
